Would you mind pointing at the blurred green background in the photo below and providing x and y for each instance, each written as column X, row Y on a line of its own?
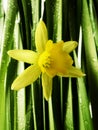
column 74, row 101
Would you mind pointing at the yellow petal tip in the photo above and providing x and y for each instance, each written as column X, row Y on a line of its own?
column 41, row 36
column 8, row 52
column 47, row 95
column 83, row 74
column 12, row 88
column 69, row 46
column 47, row 99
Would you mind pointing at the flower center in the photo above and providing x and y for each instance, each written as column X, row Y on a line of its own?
column 54, row 60
column 45, row 61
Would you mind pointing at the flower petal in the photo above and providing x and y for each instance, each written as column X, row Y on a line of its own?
column 54, row 60
column 69, row 46
column 47, row 86
column 73, row 72
column 28, row 76
column 27, row 56
column 41, row 36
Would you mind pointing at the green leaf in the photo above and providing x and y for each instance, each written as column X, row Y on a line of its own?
column 91, row 61
column 6, row 45
column 68, row 119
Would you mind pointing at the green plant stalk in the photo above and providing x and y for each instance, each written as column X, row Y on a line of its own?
column 57, row 21
column 7, row 42
column 9, row 95
column 20, row 105
column 94, row 20
column 68, row 120
column 1, row 21
column 51, row 119
column 35, row 18
column 11, row 104
column 15, row 127
column 92, row 62
column 85, row 121
column 34, row 111
column 81, row 121
column 84, row 111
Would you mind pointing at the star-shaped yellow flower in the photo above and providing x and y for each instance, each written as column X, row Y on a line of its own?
column 50, row 59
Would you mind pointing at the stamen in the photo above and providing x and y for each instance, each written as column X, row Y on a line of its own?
column 45, row 61
column 46, row 65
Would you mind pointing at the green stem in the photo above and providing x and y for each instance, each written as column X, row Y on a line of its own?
column 68, row 121
column 94, row 21
column 84, row 110
column 6, row 45
column 91, row 59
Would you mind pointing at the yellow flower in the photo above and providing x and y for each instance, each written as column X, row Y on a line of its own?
column 50, row 59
